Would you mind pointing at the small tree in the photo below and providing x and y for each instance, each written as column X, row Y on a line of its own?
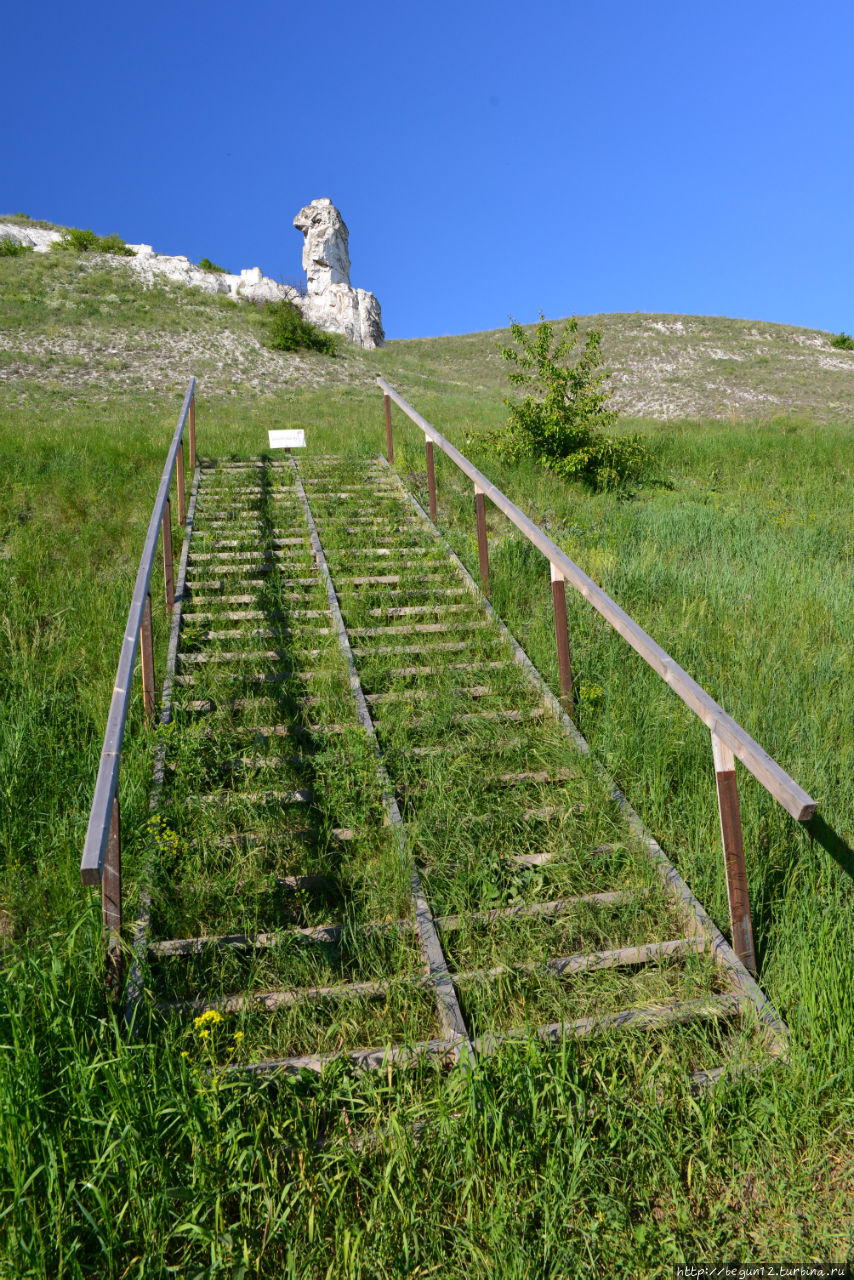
column 561, row 420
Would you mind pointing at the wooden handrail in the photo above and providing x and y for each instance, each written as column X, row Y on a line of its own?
column 774, row 779
column 101, row 816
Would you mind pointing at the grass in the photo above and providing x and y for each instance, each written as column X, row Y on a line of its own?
column 123, row 1158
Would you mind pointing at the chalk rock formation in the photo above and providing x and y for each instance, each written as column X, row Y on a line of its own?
column 331, row 302
column 37, row 238
column 250, row 284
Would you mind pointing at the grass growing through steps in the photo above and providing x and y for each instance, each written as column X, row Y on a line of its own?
column 473, row 816
column 118, row 1158
column 278, row 850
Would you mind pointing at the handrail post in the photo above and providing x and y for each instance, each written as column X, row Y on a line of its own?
column 193, row 433
column 389, row 443
column 179, row 473
column 733, row 847
column 431, row 478
column 111, row 901
column 564, row 661
column 482, row 548
column 146, row 642
column 168, row 568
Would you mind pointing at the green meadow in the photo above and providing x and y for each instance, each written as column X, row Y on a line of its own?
column 123, row 1158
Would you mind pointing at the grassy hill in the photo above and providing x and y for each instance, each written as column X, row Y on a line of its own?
column 83, row 325
column 118, row 1161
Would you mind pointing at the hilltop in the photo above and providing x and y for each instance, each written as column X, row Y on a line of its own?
column 85, row 327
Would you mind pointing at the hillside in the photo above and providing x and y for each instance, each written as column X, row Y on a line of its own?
column 84, row 326
column 144, row 1157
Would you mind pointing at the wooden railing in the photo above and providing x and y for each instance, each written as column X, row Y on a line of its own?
column 102, row 856
column 729, row 741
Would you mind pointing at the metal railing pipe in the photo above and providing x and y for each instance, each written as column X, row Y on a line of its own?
column 106, row 783
column 776, row 781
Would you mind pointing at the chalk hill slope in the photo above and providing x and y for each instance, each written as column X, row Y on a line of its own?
column 85, row 326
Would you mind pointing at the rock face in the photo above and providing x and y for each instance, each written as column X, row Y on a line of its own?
column 250, row 284
column 331, row 302
column 36, row 238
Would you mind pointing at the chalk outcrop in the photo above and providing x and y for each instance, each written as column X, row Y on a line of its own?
column 250, row 283
column 37, row 238
column 331, row 302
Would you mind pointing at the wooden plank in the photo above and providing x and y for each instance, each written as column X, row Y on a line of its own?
column 180, row 485
column 733, row 847
column 351, row 552
column 267, row 941
column 192, row 416
column 168, row 570
column 564, row 661
column 418, row 628
column 558, row 907
column 111, row 904
column 271, row 1001
column 407, row 610
column 405, row 695
column 389, row 440
column 380, row 650
column 246, row 655
column 482, row 546
column 469, row 717
column 584, row 962
column 431, row 479
column 146, row 644
column 302, row 796
column 264, row 633
column 246, row 677
column 208, row 584
column 495, row 665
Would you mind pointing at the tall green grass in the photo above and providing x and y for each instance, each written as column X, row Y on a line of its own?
column 121, row 1159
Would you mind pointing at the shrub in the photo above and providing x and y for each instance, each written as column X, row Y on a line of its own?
column 205, row 264
column 289, row 332
column 561, row 420
column 80, row 240
column 114, row 244
column 11, row 248
column 842, row 341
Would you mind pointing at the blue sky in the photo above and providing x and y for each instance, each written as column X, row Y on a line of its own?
column 489, row 158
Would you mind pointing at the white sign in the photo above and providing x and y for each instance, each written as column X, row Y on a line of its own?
column 287, row 439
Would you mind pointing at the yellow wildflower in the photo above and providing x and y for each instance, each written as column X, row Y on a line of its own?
column 208, row 1019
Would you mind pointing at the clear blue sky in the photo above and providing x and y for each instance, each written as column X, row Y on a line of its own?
column 488, row 157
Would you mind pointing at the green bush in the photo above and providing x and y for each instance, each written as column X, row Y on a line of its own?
column 79, row 240
column 560, row 421
column 289, row 332
column 11, row 248
column 205, row 264
column 842, row 341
